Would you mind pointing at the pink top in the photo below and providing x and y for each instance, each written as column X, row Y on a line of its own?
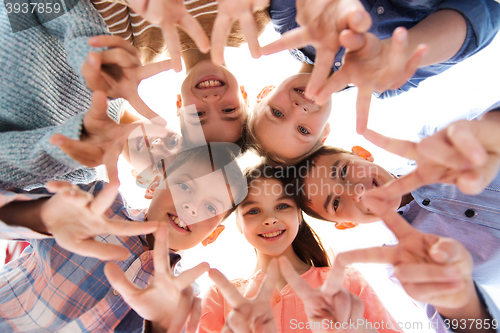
column 288, row 308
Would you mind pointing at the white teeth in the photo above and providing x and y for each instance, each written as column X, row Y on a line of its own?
column 374, row 184
column 272, row 234
column 210, row 83
column 179, row 222
column 300, row 91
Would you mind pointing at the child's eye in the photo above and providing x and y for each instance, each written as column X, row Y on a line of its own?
column 343, row 172
column 304, row 131
column 283, row 206
column 173, row 142
column 335, row 203
column 253, row 212
column 277, row 113
column 185, row 187
column 197, row 114
column 211, row 209
column 228, row 110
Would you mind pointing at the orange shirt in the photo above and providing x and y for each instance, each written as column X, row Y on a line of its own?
column 288, row 309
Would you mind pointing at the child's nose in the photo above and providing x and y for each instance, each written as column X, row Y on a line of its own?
column 190, row 209
column 211, row 98
column 300, row 107
column 270, row 221
column 356, row 192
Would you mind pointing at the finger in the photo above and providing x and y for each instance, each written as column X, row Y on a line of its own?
column 395, row 222
column 338, row 81
column 220, row 30
column 249, row 30
column 321, row 71
column 394, row 189
column 363, row 102
column 104, row 199
column 359, row 20
column 467, row 143
column 237, row 323
column 474, row 181
column 357, row 308
column 183, row 309
column 227, row 290
column 91, row 72
column 295, row 38
column 119, row 57
column 161, row 254
column 385, row 254
column 110, row 160
column 194, row 316
column 138, row 104
column 95, row 249
column 426, row 292
column 193, row 28
column 342, row 306
column 173, row 44
column 58, row 186
column 269, row 284
column 427, row 273
column 412, row 64
column 154, row 68
column 301, row 287
column 81, row 152
column 121, row 228
column 397, row 54
column 402, row 148
column 437, row 149
column 99, row 107
column 186, row 278
column 447, row 251
column 112, row 41
column 119, row 281
column 351, row 40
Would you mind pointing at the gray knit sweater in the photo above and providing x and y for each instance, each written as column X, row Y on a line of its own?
column 42, row 93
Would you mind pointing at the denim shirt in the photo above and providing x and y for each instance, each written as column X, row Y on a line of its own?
column 482, row 18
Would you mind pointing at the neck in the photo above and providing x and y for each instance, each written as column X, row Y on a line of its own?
column 194, row 56
column 263, row 261
column 306, row 68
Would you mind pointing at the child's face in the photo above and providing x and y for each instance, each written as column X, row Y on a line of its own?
column 287, row 123
column 192, row 204
column 268, row 217
column 218, row 100
column 336, row 183
column 146, row 147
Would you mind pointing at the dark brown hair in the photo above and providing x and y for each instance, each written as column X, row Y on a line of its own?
column 307, row 244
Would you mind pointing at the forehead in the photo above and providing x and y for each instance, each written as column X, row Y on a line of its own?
column 264, row 187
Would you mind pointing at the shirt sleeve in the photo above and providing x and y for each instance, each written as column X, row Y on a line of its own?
column 375, row 312
column 212, row 312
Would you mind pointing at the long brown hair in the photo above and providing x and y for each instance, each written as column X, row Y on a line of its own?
column 307, row 244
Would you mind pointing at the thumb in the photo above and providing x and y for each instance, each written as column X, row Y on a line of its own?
column 99, row 107
column 446, row 251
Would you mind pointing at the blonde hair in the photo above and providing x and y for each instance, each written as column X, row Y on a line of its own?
column 253, row 144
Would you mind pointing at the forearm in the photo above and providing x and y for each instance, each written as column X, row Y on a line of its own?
column 473, row 310
column 24, row 214
column 444, row 32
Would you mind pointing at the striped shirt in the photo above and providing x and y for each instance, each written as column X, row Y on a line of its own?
column 50, row 289
column 147, row 38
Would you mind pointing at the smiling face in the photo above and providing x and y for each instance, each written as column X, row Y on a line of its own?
column 268, row 218
column 193, row 204
column 219, row 103
column 285, row 115
column 336, row 183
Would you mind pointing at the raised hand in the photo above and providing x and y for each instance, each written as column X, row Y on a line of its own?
column 330, row 302
column 321, row 22
column 118, row 71
column 249, row 315
column 229, row 11
column 169, row 14
column 432, row 269
column 168, row 301
column 466, row 153
column 372, row 65
column 74, row 217
column 102, row 139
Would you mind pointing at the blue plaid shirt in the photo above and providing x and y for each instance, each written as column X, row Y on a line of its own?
column 50, row 289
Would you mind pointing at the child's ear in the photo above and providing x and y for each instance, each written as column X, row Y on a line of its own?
column 245, row 95
column 178, row 103
column 213, row 236
column 326, row 132
column 151, row 188
column 363, row 153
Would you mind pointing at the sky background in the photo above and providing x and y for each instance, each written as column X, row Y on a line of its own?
column 460, row 92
